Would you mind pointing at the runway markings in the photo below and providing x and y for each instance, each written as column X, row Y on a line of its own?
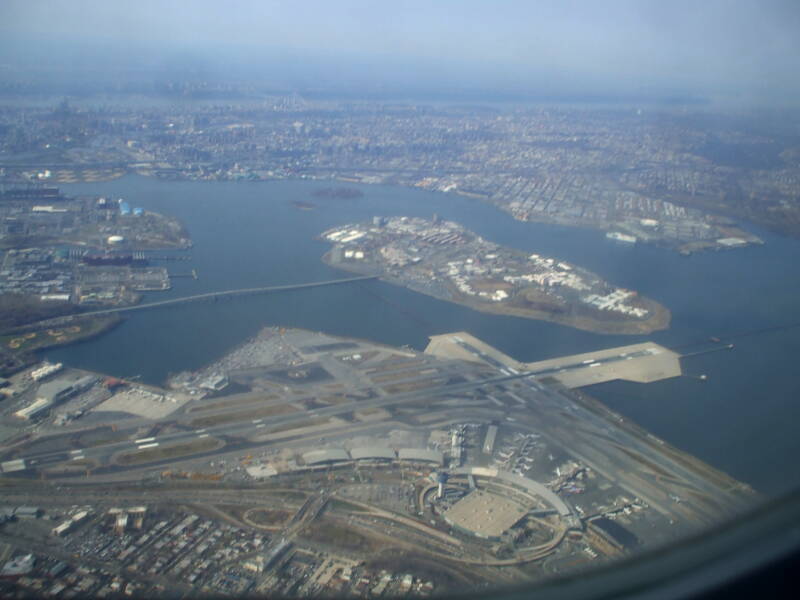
column 144, row 440
column 153, row 445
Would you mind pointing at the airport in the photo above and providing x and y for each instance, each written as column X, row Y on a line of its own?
column 460, row 454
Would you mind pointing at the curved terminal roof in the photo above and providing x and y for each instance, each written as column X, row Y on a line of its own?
column 421, row 455
column 534, row 487
column 318, row 457
column 372, row 453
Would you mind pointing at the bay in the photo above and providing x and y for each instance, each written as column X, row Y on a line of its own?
column 248, row 234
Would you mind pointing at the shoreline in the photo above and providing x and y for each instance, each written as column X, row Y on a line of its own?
column 659, row 321
column 97, row 327
column 682, row 248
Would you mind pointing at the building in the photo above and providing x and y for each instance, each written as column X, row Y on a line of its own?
column 488, row 442
column 6, row 514
column 373, row 453
column 421, row 455
column 323, row 457
column 62, row 529
column 484, row 514
column 27, row 512
column 52, row 393
column 45, row 370
column 34, row 410
column 621, row 237
column 121, row 523
column 18, row 566
column 611, row 537
column 214, row 383
column 261, row 471
column 138, row 513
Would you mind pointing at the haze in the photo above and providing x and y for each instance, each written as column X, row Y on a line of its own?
column 745, row 50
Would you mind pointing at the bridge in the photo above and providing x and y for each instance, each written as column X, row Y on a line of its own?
column 200, row 297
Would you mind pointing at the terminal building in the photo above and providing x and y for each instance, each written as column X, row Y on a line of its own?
column 52, row 393
column 421, row 455
column 325, row 457
column 372, row 454
column 610, row 537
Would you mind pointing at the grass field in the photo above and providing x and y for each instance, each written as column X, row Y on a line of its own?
column 267, row 517
column 228, row 403
column 326, row 531
column 244, row 415
column 300, row 425
column 164, row 452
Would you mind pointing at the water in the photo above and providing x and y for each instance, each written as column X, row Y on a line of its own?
column 249, row 234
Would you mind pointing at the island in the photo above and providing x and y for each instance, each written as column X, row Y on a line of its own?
column 444, row 260
column 341, row 193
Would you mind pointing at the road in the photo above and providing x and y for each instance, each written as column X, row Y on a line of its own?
column 200, row 297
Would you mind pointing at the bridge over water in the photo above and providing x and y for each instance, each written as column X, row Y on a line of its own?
column 206, row 296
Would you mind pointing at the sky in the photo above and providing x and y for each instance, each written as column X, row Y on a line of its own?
column 738, row 48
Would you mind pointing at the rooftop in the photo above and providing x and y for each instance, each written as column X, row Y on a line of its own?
column 316, row 457
column 485, row 514
column 372, row 452
column 422, row 455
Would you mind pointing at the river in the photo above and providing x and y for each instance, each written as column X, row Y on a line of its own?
column 249, row 234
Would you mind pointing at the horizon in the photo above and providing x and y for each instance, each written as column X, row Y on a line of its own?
column 566, row 50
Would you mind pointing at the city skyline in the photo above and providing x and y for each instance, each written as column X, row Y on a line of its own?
column 548, row 50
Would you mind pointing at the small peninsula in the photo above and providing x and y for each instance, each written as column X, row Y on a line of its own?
column 444, row 260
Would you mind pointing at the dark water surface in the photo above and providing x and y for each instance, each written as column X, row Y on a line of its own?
column 743, row 419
